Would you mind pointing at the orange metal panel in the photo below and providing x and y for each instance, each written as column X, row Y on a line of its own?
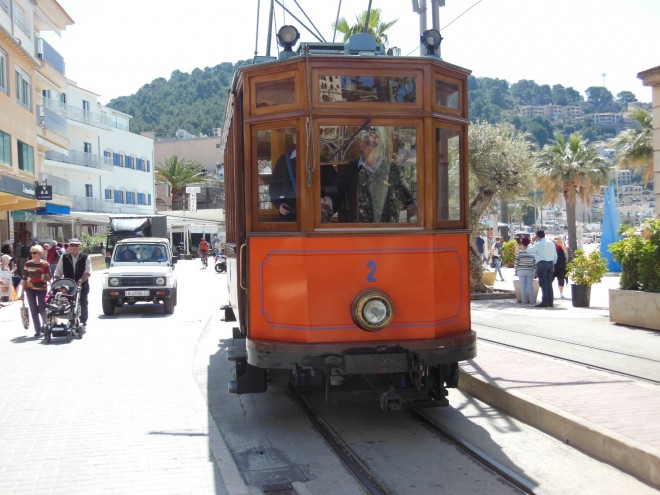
column 301, row 288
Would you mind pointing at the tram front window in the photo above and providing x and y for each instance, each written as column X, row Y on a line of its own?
column 276, row 175
column 368, row 174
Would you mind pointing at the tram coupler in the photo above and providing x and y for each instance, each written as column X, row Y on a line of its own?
column 391, row 401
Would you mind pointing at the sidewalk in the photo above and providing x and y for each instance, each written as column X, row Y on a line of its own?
column 612, row 418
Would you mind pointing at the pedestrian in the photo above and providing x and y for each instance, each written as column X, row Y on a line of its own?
column 496, row 256
column 77, row 266
column 53, row 256
column 525, row 267
column 480, row 248
column 560, row 267
column 8, row 266
column 36, row 275
column 546, row 256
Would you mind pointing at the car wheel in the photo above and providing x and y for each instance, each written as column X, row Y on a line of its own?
column 108, row 307
column 169, row 305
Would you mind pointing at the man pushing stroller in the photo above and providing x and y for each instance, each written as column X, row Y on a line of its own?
column 77, row 266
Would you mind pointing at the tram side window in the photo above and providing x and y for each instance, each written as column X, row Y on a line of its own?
column 449, row 174
column 368, row 174
column 276, row 175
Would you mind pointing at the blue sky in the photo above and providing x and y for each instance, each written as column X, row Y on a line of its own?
column 117, row 46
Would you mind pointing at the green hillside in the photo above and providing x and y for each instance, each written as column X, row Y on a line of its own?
column 196, row 102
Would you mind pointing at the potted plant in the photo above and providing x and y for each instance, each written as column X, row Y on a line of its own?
column 637, row 301
column 585, row 270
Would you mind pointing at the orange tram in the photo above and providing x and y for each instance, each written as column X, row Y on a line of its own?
column 347, row 225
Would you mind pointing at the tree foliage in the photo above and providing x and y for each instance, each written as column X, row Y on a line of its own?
column 179, row 173
column 376, row 27
column 634, row 147
column 501, row 164
column 572, row 168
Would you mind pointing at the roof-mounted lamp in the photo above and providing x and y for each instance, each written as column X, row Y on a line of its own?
column 286, row 38
column 431, row 40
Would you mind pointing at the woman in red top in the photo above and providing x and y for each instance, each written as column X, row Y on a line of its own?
column 36, row 275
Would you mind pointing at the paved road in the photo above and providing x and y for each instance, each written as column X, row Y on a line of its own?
column 119, row 411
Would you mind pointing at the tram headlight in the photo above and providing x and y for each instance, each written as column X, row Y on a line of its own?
column 372, row 310
column 286, row 38
column 431, row 39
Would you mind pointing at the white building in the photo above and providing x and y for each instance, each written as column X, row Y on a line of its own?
column 105, row 170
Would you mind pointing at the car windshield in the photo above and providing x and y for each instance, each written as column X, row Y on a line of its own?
column 141, row 252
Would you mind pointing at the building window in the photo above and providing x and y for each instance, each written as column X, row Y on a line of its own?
column 117, row 160
column 148, row 166
column 139, row 164
column 88, row 147
column 89, row 191
column 25, row 157
column 148, row 199
column 23, row 89
column 129, row 162
column 140, row 198
column 108, row 194
column 3, row 72
column 63, row 98
column 5, row 148
column 130, row 198
column 119, row 196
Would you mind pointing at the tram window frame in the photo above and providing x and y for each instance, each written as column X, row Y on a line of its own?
column 417, row 190
column 274, row 79
column 445, row 80
column 344, row 71
column 440, row 221
column 271, row 219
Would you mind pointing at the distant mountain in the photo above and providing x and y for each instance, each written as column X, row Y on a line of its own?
column 196, row 102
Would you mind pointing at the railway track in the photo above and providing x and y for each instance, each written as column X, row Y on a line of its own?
column 371, row 480
column 598, row 353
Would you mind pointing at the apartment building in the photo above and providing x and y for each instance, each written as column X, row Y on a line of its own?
column 553, row 112
column 28, row 66
column 56, row 134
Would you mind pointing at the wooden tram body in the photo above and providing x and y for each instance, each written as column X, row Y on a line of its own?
column 323, row 297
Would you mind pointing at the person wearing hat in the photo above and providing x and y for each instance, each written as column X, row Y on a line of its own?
column 76, row 265
column 6, row 266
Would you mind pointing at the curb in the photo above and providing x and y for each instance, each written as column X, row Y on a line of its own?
column 623, row 453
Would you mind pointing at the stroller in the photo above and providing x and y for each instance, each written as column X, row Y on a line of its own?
column 63, row 311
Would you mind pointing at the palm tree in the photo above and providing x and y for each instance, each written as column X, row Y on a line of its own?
column 571, row 168
column 179, row 173
column 375, row 27
column 634, row 147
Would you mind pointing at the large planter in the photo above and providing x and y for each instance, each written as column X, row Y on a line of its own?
column 580, row 295
column 637, row 308
column 488, row 278
column 516, row 288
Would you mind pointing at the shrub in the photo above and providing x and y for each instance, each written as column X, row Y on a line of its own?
column 90, row 243
column 639, row 256
column 508, row 252
column 587, row 269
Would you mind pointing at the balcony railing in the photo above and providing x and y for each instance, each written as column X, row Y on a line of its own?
column 46, row 52
column 80, row 158
column 85, row 116
column 61, row 186
column 51, row 120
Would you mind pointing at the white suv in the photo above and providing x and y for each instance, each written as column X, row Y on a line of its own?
column 141, row 269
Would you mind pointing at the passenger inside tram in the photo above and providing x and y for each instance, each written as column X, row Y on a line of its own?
column 370, row 187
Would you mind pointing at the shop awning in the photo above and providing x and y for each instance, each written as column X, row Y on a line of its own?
column 53, row 209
